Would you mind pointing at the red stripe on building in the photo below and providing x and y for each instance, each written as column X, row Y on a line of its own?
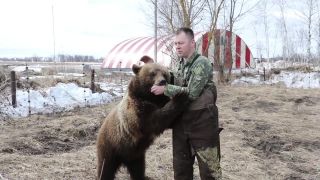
column 205, row 43
column 143, row 43
column 216, row 41
column 130, row 47
column 163, row 42
column 147, row 49
column 144, row 40
column 133, row 44
column 121, row 48
column 228, row 49
column 247, row 57
column 111, row 51
column 238, row 51
column 151, row 44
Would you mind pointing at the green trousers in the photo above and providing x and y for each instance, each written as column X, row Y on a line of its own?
column 196, row 135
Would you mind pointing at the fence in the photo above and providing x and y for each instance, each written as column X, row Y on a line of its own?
column 92, row 79
column 28, row 80
column 301, row 76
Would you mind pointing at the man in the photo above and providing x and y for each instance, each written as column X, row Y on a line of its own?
column 196, row 133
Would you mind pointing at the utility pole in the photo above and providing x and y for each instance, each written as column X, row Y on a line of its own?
column 155, row 30
column 54, row 38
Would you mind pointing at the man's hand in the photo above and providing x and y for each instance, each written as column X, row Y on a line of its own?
column 157, row 90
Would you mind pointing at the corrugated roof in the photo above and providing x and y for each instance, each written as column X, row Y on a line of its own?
column 129, row 52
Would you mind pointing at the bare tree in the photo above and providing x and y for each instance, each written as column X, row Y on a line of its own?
column 234, row 10
column 263, row 9
column 284, row 31
column 259, row 44
column 317, row 29
column 309, row 17
column 213, row 8
column 173, row 14
column 307, row 13
column 300, row 34
column 178, row 13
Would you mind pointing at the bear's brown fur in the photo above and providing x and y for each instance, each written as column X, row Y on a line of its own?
column 133, row 124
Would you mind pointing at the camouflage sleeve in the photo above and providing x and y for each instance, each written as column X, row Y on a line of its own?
column 200, row 75
column 172, row 90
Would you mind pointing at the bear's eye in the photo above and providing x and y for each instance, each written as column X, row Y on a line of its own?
column 152, row 74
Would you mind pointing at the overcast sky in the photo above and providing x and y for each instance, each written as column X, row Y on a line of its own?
column 93, row 27
column 87, row 27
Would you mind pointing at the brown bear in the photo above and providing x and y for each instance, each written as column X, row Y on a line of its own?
column 130, row 128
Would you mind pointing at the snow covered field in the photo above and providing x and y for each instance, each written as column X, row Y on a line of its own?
column 289, row 79
column 64, row 97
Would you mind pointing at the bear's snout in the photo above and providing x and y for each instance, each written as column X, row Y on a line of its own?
column 162, row 82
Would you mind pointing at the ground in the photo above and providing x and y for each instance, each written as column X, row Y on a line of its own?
column 270, row 132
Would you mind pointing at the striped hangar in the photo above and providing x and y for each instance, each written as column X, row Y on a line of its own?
column 128, row 52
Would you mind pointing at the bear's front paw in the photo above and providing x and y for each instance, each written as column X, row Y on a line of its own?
column 181, row 98
column 148, row 178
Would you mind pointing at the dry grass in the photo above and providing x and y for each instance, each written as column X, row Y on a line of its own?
column 44, row 80
column 269, row 133
column 4, row 78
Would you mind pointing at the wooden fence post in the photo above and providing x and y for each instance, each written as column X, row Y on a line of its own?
column 93, row 89
column 13, row 89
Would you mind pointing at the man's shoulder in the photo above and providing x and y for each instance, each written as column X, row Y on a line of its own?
column 203, row 60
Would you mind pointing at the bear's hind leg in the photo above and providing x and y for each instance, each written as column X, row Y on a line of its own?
column 109, row 169
column 136, row 168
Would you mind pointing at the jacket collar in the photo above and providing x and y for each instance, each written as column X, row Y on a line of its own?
column 189, row 60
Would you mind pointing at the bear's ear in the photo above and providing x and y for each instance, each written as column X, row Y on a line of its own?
column 146, row 59
column 136, row 69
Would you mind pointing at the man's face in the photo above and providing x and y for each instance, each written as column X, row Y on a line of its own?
column 184, row 45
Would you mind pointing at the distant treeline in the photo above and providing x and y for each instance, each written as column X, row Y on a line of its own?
column 58, row 58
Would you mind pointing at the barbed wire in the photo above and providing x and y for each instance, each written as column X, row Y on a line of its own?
column 84, row 85
column 116, row 80
column 28, row 89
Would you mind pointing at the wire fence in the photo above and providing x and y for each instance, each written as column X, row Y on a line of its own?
column 34, row 81
column 288, row 74
column 29, row 85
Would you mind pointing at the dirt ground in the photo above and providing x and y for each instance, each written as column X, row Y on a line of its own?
column 270, row 132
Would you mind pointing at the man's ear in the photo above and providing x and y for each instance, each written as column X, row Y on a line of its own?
column 146, row 59
column 136, row 69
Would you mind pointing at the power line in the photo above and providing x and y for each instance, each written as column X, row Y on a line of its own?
column 155, row 30
column 53, row 35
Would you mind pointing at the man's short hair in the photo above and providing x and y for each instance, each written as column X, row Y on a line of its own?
column 187, row 31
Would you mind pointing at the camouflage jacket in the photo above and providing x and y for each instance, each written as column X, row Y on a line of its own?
column 191, row 77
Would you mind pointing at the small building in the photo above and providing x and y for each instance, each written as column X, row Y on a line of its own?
column 227, row 48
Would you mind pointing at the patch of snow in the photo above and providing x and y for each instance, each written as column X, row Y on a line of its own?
column 246, row 80
column 299, row 79
column 290, row 79
column 62, row 97
column 42, row 77
column 71, row 74
column 23, row 68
